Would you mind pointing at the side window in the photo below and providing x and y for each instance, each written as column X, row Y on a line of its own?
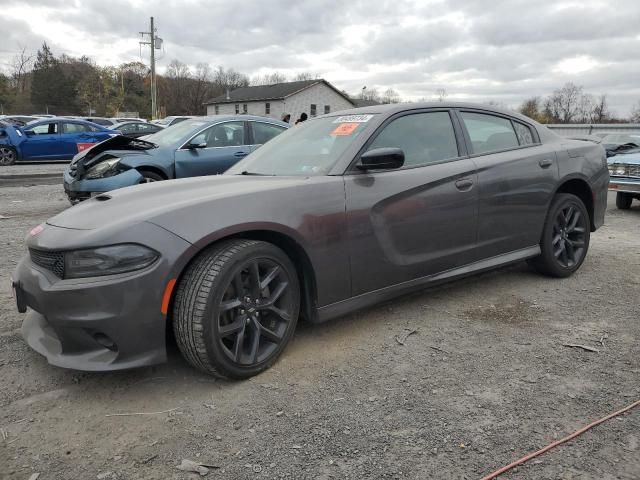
column 145, row 127
column 523, row 133
column 244, row 108
column 46, row 129
column 263, row 132
column 229, row 134
column 423, row 137
column 313, row 109
column 267, row 108
column 216, row 109
column 237, row 109
column 488, row 132
column 74, row 128
column 327, row 109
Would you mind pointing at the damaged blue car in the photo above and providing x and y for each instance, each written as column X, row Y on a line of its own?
column 194, row 147
column 49, row 139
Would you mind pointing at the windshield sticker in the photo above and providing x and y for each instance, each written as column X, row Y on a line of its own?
column 353, row 118
column 344, row 129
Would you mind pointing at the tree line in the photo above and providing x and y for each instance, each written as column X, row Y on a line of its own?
column 65, row 85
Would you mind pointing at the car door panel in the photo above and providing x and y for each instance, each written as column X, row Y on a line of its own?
column 43, row 145
column 212, row 160
column 515, row 188
column 411, row 223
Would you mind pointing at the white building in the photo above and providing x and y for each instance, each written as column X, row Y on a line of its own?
column 313, row 97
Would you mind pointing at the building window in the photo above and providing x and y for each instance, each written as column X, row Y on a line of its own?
column 244, row 108
column 327, row 109
column 267, row 108
column 217, row 109
column 313, row 110
column 237, row 109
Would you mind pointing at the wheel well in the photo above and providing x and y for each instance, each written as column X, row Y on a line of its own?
column 300, row 259
column 152, row 169
column 580, row 189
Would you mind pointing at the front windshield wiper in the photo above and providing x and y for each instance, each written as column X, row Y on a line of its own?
column 246, row 172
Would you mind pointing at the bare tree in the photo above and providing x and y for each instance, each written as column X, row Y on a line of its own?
column 305, row 76
column 21, row 65
column 563, row 105
column 600, row 113
column 531, row 108
column 269, row 79
column 441, row 94
column 635, row 113
column 390, row 96
column 370, row 94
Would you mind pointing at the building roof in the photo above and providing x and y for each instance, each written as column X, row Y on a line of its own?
column 276, row 91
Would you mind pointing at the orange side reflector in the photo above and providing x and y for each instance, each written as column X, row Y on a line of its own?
column 166, row 297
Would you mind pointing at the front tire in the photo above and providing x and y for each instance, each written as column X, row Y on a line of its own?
column 565, row 237
column 236, row 308
column 148, row 176
column 623, row 200
column 8, row 155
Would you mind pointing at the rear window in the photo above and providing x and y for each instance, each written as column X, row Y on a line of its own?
column 489, row 133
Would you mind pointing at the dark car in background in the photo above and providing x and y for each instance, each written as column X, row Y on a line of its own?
column 336, row 214
column 624, row 170
column 50, row 139
column 194, row 147
column 136, row 129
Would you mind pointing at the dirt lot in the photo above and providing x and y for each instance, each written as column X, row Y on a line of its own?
column 484, row 380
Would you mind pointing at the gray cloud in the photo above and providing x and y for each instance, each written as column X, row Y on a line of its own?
column 503, row 50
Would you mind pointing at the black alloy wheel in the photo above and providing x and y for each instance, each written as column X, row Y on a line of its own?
column 236, row 308
column 569, row 236
column 565, row 237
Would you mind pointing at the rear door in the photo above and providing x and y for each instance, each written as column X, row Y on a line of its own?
column 418, row 220
column 43, row 142
column 517, row 176
column 76, row 137
column 226, row 143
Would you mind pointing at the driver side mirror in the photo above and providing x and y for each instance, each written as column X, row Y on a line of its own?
column 193, row 146
column 381, row 159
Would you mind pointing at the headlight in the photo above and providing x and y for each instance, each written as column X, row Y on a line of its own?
column 107, row 260
column 103, row 169
column 620, row 170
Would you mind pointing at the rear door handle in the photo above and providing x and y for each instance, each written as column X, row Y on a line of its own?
column 464, row 184
column 545, row 163
column 240, row 154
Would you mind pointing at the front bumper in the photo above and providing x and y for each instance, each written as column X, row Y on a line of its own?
column 101, row 323
column 81, row 189
column 624, row 185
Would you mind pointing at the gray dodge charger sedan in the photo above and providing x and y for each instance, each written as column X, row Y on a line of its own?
column 338, row 213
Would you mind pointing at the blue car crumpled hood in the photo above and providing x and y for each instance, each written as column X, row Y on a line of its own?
column 631, row 158
column 119, row 146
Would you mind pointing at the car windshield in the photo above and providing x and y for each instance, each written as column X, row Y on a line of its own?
column 310, row 148
column 175, row 133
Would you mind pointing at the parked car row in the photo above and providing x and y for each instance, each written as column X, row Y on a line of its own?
column 341, row 212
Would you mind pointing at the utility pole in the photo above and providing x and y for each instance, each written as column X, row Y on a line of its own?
column 154, row 42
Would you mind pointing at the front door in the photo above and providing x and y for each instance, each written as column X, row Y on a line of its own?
column 42, row 142
column 223, row 145
column 517, row 176
column 418, row 220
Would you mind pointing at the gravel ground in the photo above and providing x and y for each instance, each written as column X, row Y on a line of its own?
column 484, row 379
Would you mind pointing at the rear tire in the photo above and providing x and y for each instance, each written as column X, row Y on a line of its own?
column 236, row 308
column 8, row 155
column 148, row 176
column 623, row 200
column 565, row 237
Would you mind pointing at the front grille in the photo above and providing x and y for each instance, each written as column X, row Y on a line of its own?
column 52, row 261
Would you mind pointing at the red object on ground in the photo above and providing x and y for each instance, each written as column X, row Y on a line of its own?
column 84, row 146
column 526, row 458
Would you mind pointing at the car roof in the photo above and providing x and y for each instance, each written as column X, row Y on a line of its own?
column 64, row 119
column 214, row 118
column 392, row 108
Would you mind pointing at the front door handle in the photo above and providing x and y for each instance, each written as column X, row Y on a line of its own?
column 240, row 154
column 545, row 163
column 464, row 184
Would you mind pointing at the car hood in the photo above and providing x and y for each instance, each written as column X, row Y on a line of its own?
column 115, row 146
column 153, row 202
column 626, row 158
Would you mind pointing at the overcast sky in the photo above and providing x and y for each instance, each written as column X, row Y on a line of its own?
column 478, row 50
